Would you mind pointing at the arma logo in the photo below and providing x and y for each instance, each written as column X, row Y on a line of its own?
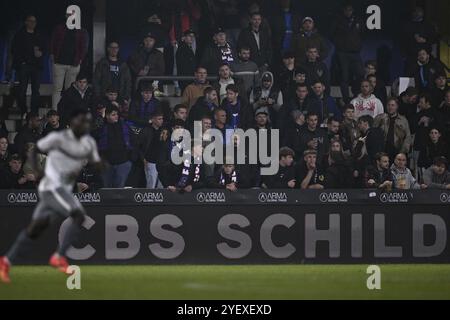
column 88, row 197
column 445, row 197
column 149, row 197
column 272, row 197
column 395, row 197
column 333, row 197
column 209, row 197
column 23, row 197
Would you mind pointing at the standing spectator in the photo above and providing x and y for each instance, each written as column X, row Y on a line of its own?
column 426, row 69
column 402, row 176
column 187, row 57
column 195, row 90
column 322, row 104
column 78, row 95
column 435, row 146
column 225, row 79
column 417, row 33
column 27, row 50
column 309, row 174
column 438, row 90
column 371, row 140
column 245, row 69
column 258, row 40
column 219, row 53
column 180, row 112
column 333, row 129
column 4, row 153
column 220, row 123
column 379, row 175
column 308, row 37
column 339, row 174
column 146, row 60
column 300, row 103
column 366, row 103
column 349, row 132
column 30, row 133
column 285, row 177
column 143, row 107
column 68, row 49
column 267, row 97
column 346, row 33
column 115, row 148
column 150, row 148
column 239, row 114
column 286, row 74
column 408, row 104
column 53, row 123
column 397, row 135
column 13, row 177
column 112, row 72
column 316, row 70
column 204, row 106
column 379, row 87
column 444, row 111
column 437, row 176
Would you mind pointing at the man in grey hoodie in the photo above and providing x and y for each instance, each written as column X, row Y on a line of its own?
column 402, row 176
column 437, row 176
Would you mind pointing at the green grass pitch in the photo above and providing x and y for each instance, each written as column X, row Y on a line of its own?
column 231, row 282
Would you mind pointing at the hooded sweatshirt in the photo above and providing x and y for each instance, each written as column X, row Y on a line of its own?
column 371, row 106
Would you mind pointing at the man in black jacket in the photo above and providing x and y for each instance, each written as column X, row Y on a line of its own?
column 427, row 68
column 379, row 175
column 346, row 34
column 79, row 95
column 30, row 133
column 204, row 106
column 218, row 53
column 147, row 60
column 258, row 40
column 27, row 50
column 187, row 57
column 285, row 178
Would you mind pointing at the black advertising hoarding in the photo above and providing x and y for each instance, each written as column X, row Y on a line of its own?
column 249, row 227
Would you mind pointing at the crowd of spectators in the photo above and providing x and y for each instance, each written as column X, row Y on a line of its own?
column 269, row 75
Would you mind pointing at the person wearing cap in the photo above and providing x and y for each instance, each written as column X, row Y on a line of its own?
column 437, row 176
column 53, row 123
column 426, row 69
column 246, row 69
column 267, row 96
column 187, row 57
column 111, row 71
column 308, row 36
column 438, row 90
column 79, row 95
column 218, row 53
column 346, row 32
column 147, row 60
column 258, row 40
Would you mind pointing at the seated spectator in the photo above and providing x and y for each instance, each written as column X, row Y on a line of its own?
column 435, row 146
column 89, row 180
column 115, row 148
column 267, row 96
column 150, row 149
column 30, row 133
column 437, row 176
column 111, row 71
column 196, row 89
column 426, row 69
column 245, row 69
column 306, row 38
column 397, row 136
column 349, row 132
column 339, row 174
column 79, row 95
column 316, row 70
column 437, row 92
column 218, row 53
column 379, row 87
column 227, row 178
column 309, row 175
column 4, row 153
column 205, row 105
column 193, row 174
column 366, row 103
column 379, row 175
column 285, row 177
column 220, row 123
column 402, row 176
column 258, row 40
column 239, row 114
column 147, row 60
column 53, row 123
column 13, row 177
column 226, row 79
column 322, row 104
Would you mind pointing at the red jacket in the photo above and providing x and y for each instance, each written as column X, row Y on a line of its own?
column 81, row 45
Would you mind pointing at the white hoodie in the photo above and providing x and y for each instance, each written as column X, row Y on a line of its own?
column 371, row 106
